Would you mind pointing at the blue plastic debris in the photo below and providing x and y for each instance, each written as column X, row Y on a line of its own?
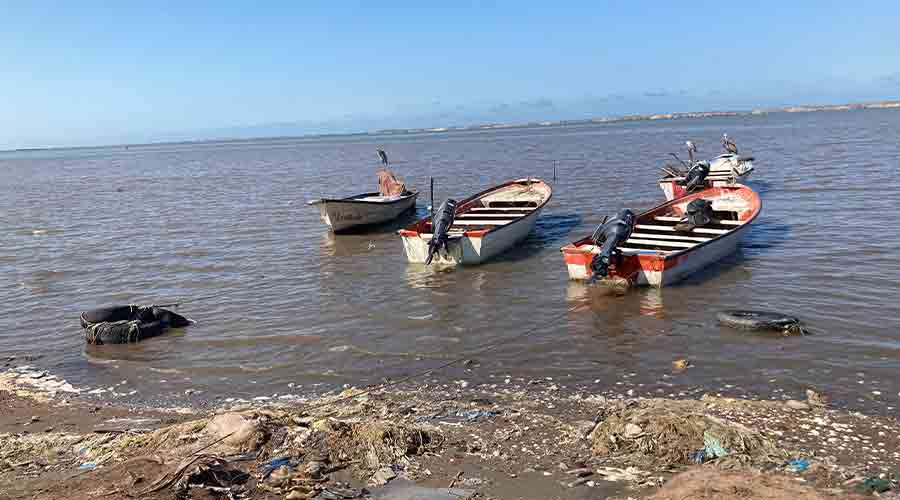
column 470, row 415
column 88, row 466
column 712, row 446
column 270, row 466
column 699, row 456
column 475, row 414
column 798, row 464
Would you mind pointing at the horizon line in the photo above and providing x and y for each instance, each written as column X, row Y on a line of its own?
column 797, row 108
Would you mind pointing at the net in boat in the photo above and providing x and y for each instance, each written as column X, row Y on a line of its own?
column 389, row 184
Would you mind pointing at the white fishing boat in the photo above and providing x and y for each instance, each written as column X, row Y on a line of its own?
column 368, row 209
column 363, row 209
column 661, row 248
column 479, row 227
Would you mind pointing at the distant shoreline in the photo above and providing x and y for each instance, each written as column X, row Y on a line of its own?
column 889, row 104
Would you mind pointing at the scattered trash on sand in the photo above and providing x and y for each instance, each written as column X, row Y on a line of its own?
column 798, row 465
column 630, row 474
column 816, row 399
column 657, row 434
column 681, row 364
column 874, row 484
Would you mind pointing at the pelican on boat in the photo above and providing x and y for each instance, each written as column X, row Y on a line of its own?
column 727, row 168
column 478, row 228
column 368, row 209
column 668, row 243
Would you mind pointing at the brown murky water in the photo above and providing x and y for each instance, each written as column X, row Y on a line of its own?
column 280, row 301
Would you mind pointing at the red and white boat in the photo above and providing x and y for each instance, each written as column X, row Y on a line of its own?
column 484, row 225
column 724, row 169
column 657, row 253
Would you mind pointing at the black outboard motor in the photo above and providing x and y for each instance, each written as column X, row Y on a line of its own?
column 608, row 236
column 696, row 176
column 698, row 213
column 441, row 223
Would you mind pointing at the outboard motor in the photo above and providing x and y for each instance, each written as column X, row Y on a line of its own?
column 608, row 236
column 696, row 176
column 441, row 223
column 699, row 213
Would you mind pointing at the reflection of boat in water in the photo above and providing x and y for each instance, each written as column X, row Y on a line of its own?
column 427, row 277
column 481, row 226
column 650, row 300
column 342, row 246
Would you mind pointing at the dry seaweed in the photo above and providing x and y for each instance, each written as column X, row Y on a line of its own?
column 669, row 435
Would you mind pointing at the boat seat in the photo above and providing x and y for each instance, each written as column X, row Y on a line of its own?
column 678, row 219
column 468, row 222
column 669, row 237
column 661, row 243
column 717, row 176
column 702, row 230
column 632, row 251
column 626, row 250
column 485, row 216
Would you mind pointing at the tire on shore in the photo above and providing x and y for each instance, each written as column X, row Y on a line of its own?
column 760, row 320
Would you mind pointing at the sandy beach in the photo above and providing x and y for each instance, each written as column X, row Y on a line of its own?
column 532, row 439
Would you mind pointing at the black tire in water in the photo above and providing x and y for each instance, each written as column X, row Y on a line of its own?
column 169, row 319
column 756, row 320
column 125, row 324
column 108, row 315
column 122, row 332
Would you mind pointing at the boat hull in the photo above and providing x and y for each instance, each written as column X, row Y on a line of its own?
column 472, row 247
column 660, row 270
column 342, row 215
column 657, row 268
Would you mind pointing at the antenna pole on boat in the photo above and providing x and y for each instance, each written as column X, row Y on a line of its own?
column 432, row 198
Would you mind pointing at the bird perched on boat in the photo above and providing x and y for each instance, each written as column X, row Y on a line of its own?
column 383, row 156
column 691, row 150
column 729, row 145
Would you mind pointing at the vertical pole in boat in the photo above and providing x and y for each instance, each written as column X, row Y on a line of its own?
column 432, row 199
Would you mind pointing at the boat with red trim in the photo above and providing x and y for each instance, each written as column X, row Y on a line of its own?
column 667, row 243
column 480, row 227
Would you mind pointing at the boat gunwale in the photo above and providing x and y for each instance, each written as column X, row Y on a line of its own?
column 353, row 199
column 671, row 255
column 411, row 231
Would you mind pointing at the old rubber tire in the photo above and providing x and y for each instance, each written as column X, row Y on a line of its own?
column 150, row 314
column 122, row 332
column 108, row 315
column 169, row 319
column 756, row 320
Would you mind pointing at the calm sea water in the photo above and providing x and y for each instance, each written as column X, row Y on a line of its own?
column 278, row 300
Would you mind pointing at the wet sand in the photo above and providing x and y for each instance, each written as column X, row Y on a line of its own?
column 505, row 440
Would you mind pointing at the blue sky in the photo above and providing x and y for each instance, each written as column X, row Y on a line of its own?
column 81, row 73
